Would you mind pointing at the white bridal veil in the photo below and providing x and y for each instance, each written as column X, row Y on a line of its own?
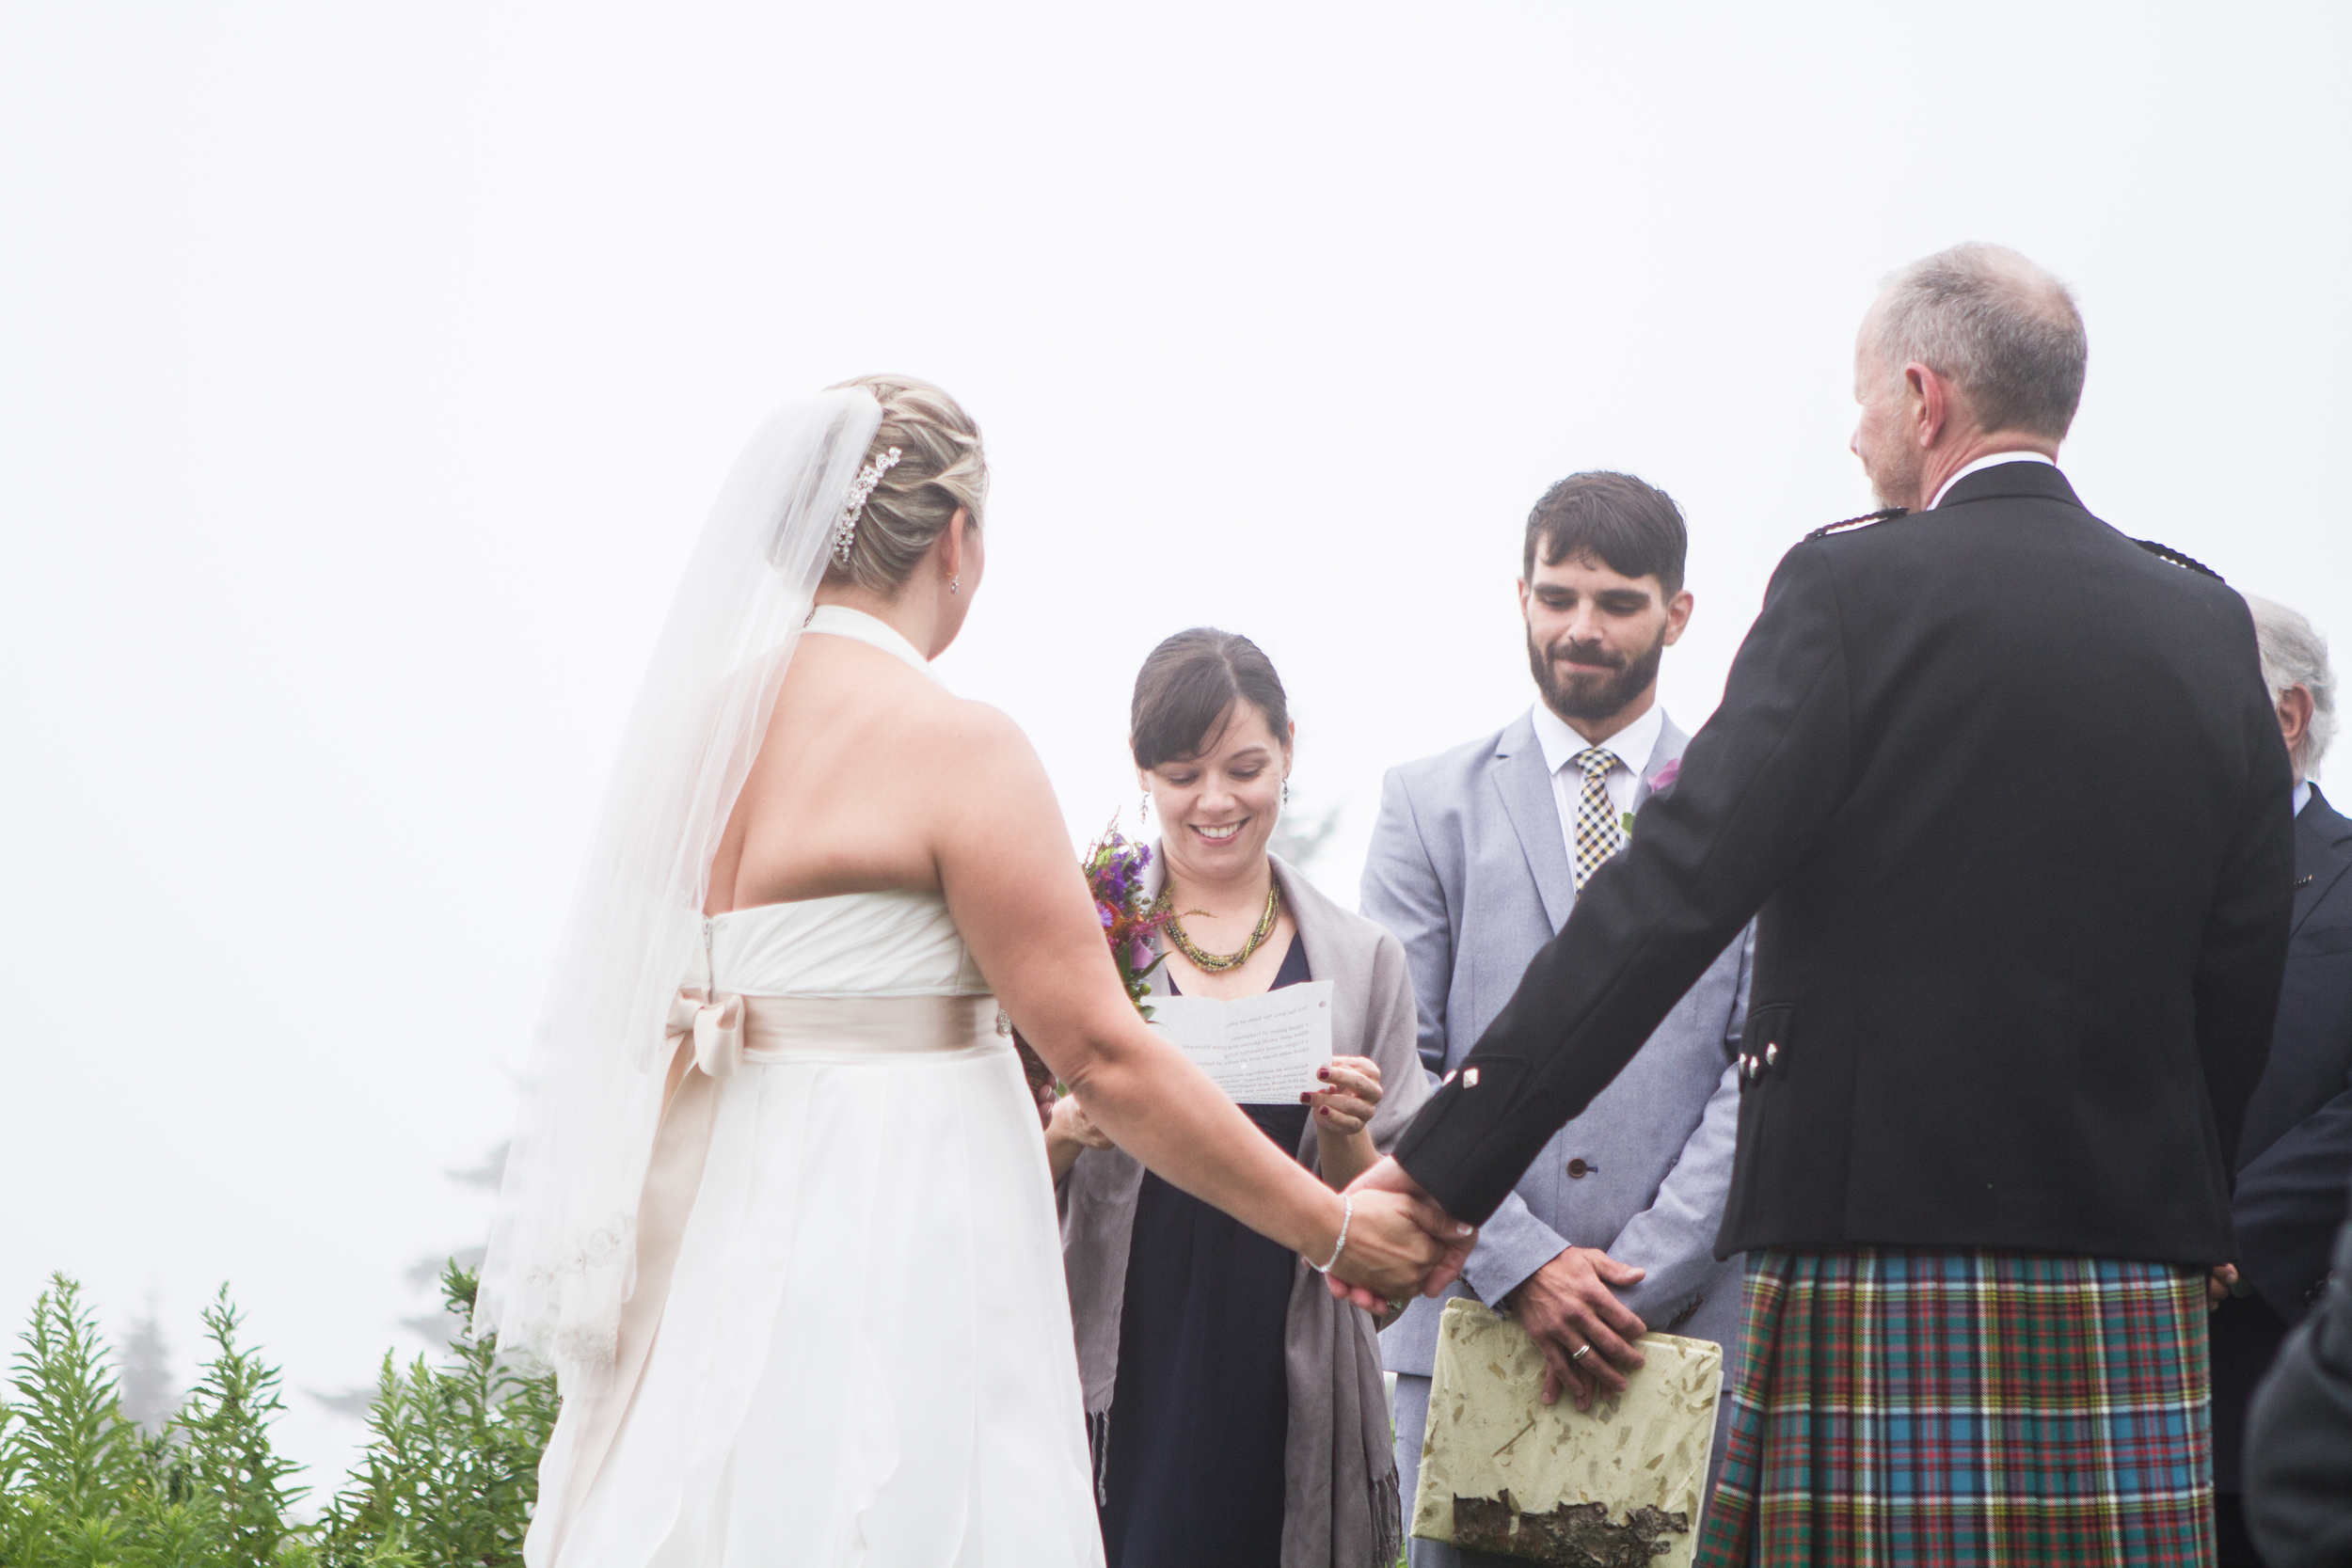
column 564, row 1246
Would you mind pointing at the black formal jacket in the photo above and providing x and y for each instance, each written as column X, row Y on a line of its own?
column 2295, row 1155
column 2298, row 1454
column 2011, row 795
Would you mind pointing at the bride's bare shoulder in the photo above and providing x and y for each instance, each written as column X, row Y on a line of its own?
column 924, row 726
column 976, row 736
column 975, row 765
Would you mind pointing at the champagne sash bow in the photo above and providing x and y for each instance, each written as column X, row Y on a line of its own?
column 715, row 1027
column 729, row 1034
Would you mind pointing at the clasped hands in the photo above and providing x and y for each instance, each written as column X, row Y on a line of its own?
column 1400, row 1242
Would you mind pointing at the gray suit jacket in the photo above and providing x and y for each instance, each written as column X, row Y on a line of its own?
column 1467, row 866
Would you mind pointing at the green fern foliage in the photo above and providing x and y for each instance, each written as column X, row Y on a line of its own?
column 222, row 1460
column 451, row 1470
column 80, row 1486
column 67, row 1440
column 449, row 1476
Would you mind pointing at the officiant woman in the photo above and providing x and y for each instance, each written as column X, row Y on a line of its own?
column 1235, row 1410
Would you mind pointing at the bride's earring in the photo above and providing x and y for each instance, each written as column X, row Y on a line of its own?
column 955, row 584
column 1286, row 792
column 1143, row 809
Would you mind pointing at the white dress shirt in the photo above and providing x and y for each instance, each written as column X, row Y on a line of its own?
column 2302, row 795
column 1631, row 746
column 1996, row 459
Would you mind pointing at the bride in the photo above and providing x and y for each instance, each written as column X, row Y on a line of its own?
column 778, row 1209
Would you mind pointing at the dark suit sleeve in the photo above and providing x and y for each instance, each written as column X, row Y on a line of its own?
column 2244, row 955
column 2298, row 1437
column 2290, row 1200
column 1758, row 784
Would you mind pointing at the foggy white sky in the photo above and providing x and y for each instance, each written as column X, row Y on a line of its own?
column 364, row 376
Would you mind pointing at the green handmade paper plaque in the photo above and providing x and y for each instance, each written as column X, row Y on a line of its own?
column 1619, row 1486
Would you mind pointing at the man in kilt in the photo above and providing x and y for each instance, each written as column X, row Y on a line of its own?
column 2006, row 788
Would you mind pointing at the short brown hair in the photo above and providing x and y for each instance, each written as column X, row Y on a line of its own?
column 1633, row 529
column 1188, row 686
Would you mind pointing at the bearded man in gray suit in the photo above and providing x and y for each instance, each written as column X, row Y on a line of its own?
column 1475, row 862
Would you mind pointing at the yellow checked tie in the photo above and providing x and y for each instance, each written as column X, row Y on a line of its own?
column 1600, row 831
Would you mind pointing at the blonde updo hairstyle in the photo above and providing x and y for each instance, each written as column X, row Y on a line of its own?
column 940, row 468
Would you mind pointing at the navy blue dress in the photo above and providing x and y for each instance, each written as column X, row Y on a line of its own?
column 1202, row 1407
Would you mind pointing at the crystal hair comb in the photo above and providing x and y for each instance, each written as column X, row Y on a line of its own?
column 845, row 531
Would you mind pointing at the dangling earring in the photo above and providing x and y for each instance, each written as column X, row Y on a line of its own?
column 1143, row 809
column 955, row 584
column 1286, row 792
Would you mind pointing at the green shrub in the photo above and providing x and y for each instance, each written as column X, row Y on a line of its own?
column 448, row 1478
column 452, row 1464
column 81, row 1487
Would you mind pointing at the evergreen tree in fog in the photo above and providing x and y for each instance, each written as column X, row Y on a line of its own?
column 1298, row 837
column 149, row 1395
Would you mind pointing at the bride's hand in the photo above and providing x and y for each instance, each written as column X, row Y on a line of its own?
column 1394, row 1246
column 1389, row 1190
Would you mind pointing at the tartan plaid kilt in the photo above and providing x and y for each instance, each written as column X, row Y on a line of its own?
column 1965, row 1410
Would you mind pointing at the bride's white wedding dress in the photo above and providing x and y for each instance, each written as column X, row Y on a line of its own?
column 850, row 1339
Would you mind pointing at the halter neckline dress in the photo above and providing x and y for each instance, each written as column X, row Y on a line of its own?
column 850, row 1341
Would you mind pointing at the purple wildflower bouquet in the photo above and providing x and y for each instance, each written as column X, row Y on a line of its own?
column 1114, row 866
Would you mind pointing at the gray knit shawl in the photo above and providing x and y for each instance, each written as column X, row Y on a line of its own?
column 1340, row 1503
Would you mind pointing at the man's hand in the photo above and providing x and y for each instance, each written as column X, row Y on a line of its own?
column 1586, row 1334
column 2220, row 1285
column 1453, row 1238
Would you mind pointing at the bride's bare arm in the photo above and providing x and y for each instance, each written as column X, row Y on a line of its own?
column 1012, row 882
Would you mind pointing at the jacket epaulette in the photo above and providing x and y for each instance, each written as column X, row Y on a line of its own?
column 1886, row 515
column 2162, row 552
column 2165, row 553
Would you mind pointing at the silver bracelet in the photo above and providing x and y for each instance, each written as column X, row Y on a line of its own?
column 1347, row 1212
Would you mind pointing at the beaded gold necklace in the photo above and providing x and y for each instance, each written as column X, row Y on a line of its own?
column 1216, row 963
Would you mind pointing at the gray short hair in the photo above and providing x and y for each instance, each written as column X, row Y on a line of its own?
column 2294, row 653
column 1999, row 328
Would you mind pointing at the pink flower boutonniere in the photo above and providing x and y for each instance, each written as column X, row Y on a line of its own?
column 1658, row 786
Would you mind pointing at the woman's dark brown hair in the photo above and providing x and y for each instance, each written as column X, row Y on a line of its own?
column 1188, row 686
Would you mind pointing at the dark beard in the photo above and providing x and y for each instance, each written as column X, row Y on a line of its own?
column 1590, row 699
